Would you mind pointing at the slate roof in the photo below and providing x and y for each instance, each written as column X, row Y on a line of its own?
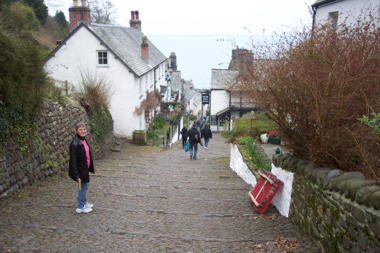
column 321, row 2
column 221, row 78
column 190, row 93
column 176, row 81
column 125, row 43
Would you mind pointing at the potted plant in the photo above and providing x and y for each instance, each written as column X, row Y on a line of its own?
column 264, row 138
column 273, row 137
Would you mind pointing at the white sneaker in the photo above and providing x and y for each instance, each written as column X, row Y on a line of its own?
column 83, row 210
column 89, row 205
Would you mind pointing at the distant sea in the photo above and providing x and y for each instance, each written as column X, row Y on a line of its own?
column 198, row 54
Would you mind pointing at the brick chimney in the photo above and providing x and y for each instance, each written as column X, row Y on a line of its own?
column 79, row 14
column 135, row 22
column 241, row 58
column 173, row 61
column 145, row 48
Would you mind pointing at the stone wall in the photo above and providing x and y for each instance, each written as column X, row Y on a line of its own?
column 43, row 154
column 340, row 210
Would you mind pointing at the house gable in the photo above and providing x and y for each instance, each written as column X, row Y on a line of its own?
column 73, row 33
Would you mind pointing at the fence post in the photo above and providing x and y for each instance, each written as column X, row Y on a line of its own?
column 66, row 88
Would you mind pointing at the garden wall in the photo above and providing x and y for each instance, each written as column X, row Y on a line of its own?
column 340, row 210
column 43, row 154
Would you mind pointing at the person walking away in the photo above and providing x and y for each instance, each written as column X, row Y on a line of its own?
column 80, row 165
column 194, row 139
column 184, row 136
column 206, row 134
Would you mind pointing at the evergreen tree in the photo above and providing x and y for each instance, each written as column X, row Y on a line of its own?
column 40, row 9
column 60, row 19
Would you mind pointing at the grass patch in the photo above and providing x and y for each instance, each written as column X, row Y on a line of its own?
column 253, row 157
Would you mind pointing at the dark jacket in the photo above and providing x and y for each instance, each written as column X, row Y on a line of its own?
column 194, row 136
column 206, row 133
column 78, row 162
column 184, row 132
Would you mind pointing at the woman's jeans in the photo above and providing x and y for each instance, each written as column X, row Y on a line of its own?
column 82, row 195
column 206, row 142
column 193, row 152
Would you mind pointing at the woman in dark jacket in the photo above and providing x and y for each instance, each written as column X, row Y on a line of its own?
column 206, row 134
column 80, row 165
column 194, row 139
column 184, row 136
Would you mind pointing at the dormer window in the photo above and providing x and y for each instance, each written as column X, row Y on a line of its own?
column 102, row 58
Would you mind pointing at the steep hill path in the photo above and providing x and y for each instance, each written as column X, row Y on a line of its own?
column 148, row 200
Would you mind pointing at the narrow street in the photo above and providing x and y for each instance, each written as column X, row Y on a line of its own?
column 148, row 200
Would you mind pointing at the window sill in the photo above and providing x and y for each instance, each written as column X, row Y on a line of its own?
column 102, row 66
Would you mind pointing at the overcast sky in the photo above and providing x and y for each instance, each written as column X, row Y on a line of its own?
column 203, row 33
column 208, row 16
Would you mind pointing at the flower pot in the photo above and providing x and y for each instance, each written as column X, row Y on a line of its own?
column 274, row 140
column 264, row 138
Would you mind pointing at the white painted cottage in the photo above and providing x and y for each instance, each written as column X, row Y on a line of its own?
column 227, row 103
column 347, row 11
column 123, row 56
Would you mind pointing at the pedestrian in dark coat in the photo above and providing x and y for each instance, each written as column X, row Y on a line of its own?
column 194, row 139
column 184, row 136
column 80, row 166
column 206, row 134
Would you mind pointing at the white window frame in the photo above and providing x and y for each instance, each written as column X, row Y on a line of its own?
column 100, row 59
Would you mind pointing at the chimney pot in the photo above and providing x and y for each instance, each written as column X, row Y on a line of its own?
column 81, row 14
column 145, row 48
column 135, row 22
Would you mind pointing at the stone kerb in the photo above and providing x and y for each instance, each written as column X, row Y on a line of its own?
column 47, row 154
column 341, row 210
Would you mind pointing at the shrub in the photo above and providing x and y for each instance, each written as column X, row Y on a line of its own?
column 316, row 85
column 151, row 134
column 22, row 81
column 19, row 17
column 101, row 123
column 95, row 91
column 158, row 122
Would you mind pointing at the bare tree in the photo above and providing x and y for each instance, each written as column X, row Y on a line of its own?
column 102, row 11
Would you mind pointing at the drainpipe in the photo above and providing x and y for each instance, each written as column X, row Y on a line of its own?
column 314, row 8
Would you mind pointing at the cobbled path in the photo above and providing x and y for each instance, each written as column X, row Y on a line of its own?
column 147, row 199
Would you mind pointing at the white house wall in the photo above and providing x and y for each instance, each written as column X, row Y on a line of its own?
column 79, row 54
column 350, row 9
column 220, row 100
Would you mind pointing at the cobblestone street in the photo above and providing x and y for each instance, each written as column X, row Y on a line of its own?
column 147, row 199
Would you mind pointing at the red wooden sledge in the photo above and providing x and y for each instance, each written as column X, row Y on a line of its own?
column 264, row 191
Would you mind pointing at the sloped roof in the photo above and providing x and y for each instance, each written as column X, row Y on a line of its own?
column 321, row 2
column 125, row 43
column 221, row 78
column 190, row 93
column 176, row 81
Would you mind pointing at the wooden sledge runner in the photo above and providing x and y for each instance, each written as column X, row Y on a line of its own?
column 264, row 191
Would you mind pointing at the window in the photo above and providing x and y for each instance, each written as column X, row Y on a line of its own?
column 102, row 58
column 333, row 18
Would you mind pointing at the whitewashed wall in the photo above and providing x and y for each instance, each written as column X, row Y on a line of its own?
column 127, row 90
column 238, row 165
column 282, row 198
column 349, row 9
column 220, row 100
column 175, row 137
